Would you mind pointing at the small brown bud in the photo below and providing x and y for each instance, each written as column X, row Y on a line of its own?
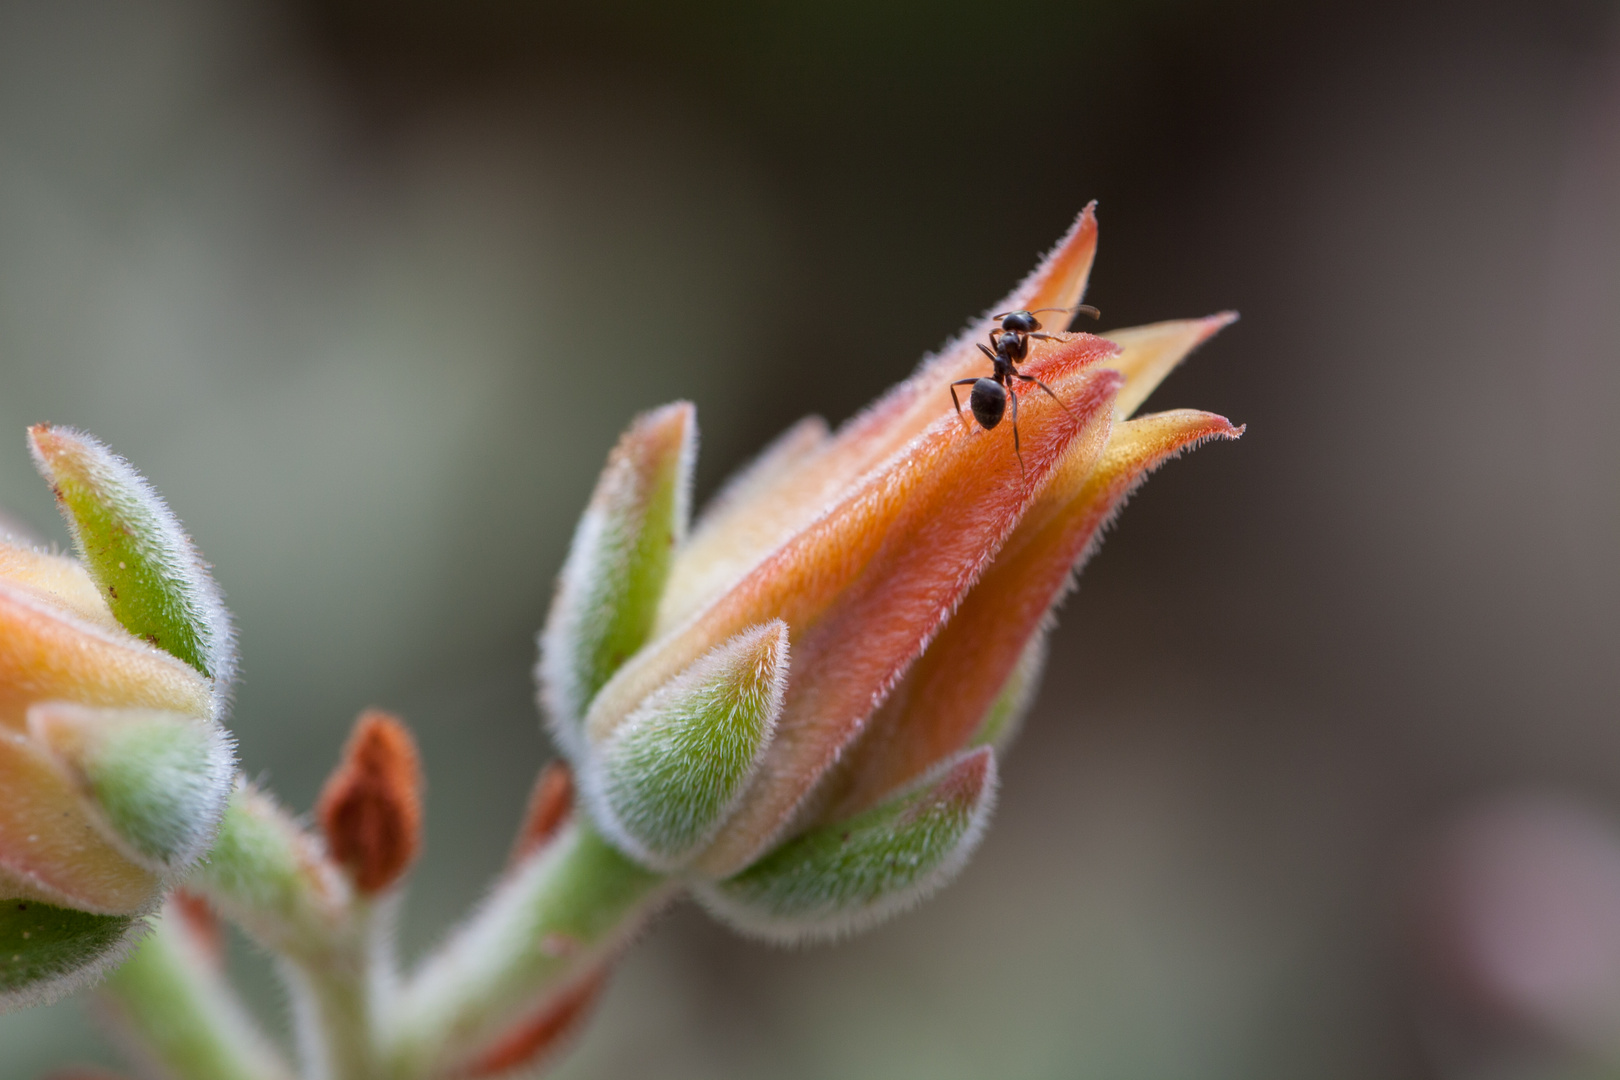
column 551, row 804
column 371, row 807
column 541, row 1032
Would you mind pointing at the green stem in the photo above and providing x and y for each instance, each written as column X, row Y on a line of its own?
column 177, row 1004
column 333, row 1017
column 554, row 918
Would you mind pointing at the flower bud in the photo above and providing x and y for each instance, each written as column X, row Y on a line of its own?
column 114, row 770
column 371, row 807
column 913, row 560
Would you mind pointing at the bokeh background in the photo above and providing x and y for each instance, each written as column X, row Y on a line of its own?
column 1325, row 777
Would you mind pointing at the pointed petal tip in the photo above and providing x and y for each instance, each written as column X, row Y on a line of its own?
column 1148, row 354
column 1210, row 325
column 1150, row 440
column 155, row 582
column 617, row 567
column 667, row 431
column 1059, row 281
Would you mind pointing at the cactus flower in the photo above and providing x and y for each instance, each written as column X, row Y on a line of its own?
column 114, row 769
column 796, row 703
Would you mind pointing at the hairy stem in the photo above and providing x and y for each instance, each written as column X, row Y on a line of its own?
column 173, row 1002
column 553, row 919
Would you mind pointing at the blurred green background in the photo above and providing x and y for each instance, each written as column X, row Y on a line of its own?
column 368, row 290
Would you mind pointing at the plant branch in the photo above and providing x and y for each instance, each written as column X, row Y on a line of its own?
column 172, row 1000
column 555, row 918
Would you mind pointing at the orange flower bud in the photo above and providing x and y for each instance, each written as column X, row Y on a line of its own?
column 371, row 807
column 912, row 559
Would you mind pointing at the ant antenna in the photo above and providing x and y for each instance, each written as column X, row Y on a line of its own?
column 1078, row 309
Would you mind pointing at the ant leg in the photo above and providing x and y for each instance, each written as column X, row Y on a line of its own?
column 1048, row 389
column 985, row 349
column 957, row 401
column 1017, row 449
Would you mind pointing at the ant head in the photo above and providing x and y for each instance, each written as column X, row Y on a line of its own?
column 1019, row 322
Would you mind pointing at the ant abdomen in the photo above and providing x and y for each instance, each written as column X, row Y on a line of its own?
column 988, row 402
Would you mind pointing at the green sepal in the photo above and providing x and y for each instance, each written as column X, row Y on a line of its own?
column 608, row 592
column 846, row 876
column 157, row 781
column 664, row 780
column 136, row 550
column 48, row 951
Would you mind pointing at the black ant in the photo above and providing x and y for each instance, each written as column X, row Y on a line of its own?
column 1008, row 348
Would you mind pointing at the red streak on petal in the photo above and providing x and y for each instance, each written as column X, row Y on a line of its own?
column 541, row 1032
column 939, row 706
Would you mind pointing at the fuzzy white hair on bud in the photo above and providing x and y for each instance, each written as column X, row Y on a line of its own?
column 847, row 876
column 664, row 780
column 156, row 783
column 154, row 580
column 618, row 563
column 48, row 952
